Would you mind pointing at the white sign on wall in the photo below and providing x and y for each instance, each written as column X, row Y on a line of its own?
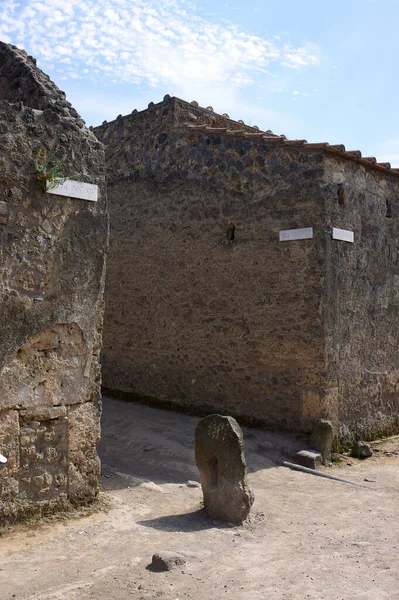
column 76, row 189
column 286, row 235
column 342, row 234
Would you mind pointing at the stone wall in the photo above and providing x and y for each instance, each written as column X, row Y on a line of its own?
column 191, row 320
column 278, row 332
column 362, row 300
column 51, row 298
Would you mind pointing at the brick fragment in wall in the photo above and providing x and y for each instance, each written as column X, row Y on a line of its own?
column 43, row 413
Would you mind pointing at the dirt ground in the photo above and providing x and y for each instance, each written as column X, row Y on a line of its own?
column 308, row 537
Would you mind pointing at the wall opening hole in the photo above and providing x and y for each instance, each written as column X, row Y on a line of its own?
column 230, row 229
column 388, row 214
column 341, row 193
column 213, row 466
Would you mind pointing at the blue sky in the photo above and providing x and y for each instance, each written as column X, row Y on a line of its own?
column 312, row 69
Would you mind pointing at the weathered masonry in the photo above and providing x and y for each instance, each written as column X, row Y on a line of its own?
column 250, row 274
column 51, row 295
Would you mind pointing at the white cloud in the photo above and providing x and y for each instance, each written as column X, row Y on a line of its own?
column 155, row 42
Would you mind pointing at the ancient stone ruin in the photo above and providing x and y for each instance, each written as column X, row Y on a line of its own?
column 220, row 458
column 322, row 438
column 52, row 265
column 250, row 274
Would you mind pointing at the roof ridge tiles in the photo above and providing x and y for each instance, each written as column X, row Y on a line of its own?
column 333, row 148
column 339, row 147
column 215, row 129
column 274, row 139
column 295, row 142
column 269, row 137
column 317, row 145
column 255, row 134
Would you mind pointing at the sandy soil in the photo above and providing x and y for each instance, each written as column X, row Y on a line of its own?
column 308, row 537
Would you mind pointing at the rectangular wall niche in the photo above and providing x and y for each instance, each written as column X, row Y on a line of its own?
column 287, row 235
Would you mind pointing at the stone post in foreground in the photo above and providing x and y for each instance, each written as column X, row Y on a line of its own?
column 219, row 454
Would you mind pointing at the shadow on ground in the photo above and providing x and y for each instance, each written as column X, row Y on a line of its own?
column 186, row 522
column 140, row 443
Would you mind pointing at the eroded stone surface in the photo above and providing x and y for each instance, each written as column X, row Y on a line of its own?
column 83, row 461
column 47, row 371
column 51, row 285
column 219, row 454
column 322, row 438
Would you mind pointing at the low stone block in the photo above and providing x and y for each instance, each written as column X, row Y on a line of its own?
column 43, row 413
column 322, row 438
column 308, row 458
column 219, row 454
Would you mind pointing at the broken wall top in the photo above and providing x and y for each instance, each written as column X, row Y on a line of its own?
column 22, row 81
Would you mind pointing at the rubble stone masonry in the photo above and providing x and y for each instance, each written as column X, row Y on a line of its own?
column 281, row 333
column 51, row 298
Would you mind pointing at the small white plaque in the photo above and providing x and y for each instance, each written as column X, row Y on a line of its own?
column 76, row 189
column 3, row 459
column 287, row 235
column 342, row 234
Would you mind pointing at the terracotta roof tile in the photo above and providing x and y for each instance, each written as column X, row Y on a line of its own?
column 259, row 134
column 236, row 132
column 318, row 145
column 216, row 129
column 274, row 140
column 296, row 142
column 338, row 147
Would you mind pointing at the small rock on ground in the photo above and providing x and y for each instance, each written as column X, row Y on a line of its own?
column 193, row 484
column 362, row 450
column 150, row 485
column 166, row 561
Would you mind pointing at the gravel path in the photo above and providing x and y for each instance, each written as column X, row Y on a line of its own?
column 308, row 537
